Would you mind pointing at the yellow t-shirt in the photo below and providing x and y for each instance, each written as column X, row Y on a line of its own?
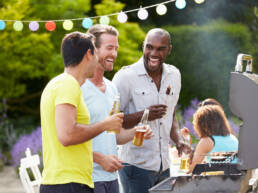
column 64, row 164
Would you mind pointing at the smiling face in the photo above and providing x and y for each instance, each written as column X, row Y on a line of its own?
column 156, row 48
column 107, row 51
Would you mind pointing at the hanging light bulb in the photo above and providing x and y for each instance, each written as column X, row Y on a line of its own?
column 142, row 14
column 50, row 26
column 180, row 4
column 104, row 20
column 18, row 26
column 161, row 9
column 122, row 17
column 87, row 23
column 2, row 25
column 68, row 25
column 34, row 26
column 199, row 1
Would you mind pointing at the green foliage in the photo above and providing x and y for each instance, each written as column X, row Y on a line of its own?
column 30, row 59
column 205, row 56
column 19, row 60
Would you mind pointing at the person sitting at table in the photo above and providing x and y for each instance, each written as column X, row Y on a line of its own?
column 213, row 129
column 212, row 101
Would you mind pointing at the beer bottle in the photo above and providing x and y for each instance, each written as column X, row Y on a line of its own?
column 184, row 165
column 115, row 109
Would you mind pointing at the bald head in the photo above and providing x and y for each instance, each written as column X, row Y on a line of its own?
column 156, row 48
column 158, row 32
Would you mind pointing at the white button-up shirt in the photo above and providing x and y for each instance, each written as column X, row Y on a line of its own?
column 137, row 92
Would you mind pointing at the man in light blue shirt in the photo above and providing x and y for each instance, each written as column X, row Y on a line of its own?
column 99, row 105
column 99, row 94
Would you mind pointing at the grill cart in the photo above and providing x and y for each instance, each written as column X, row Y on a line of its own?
column 227, row 177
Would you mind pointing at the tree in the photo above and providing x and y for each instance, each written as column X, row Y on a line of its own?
column 30, row 59
column 205, row 56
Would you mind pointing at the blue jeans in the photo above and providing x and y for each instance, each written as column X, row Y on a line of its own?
column 106, row 187
column 137, row 180
column 65, row 188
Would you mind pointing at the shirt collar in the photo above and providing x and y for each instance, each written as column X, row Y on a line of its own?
column 140, row 69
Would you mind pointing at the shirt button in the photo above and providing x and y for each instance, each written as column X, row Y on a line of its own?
column 152, row 81
column 160, row 123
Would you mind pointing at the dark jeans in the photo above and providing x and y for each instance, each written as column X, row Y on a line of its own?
column 137, row 180
column 65, row 188
column 106, row 187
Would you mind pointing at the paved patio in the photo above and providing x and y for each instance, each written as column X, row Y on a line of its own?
column 9, row 181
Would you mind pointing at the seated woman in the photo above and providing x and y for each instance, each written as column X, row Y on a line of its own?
column 213, row 129
column 212, row 101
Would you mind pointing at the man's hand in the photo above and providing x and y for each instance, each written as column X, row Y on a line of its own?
column 110, row 163
column 148, row 134
column 114, row 122
column 183, row 147
column 157, row 111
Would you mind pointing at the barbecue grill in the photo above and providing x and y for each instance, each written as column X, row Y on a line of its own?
column 243, row 103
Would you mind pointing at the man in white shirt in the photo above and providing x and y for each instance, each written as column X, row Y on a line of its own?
column 149, row 83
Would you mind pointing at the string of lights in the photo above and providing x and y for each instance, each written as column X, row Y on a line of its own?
column 87, row 22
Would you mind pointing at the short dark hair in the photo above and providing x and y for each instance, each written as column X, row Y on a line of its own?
column 99, row 29
column 74, row 46
column 210, row 120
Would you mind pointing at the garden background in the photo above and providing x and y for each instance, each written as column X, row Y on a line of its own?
column 206, row 39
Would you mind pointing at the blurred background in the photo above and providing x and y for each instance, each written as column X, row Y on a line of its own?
column 206, row 38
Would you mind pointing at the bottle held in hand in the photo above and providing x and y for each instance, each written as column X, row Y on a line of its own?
column 141, row 129
column 139, row 135
column 185, row 160
column 115, row 109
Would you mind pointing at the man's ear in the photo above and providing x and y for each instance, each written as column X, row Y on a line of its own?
column 170, row 48
column 88, row 54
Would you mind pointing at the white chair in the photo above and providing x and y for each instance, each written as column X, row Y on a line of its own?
column 30, row 162
column 253, row 182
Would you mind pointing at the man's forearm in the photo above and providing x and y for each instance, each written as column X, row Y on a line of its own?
column 81, row 133
column 132, row 120
column 175, row 132
column 97, row 157
column 175, row 135
column 125, row 136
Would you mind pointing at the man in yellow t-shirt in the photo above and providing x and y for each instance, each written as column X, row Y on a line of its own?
column 66, row 133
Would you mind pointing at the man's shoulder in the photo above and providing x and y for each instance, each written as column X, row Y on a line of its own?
column 127, row 70
column 171, row 67
column 63, row 81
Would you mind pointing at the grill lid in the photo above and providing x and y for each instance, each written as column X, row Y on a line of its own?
column 243, row 101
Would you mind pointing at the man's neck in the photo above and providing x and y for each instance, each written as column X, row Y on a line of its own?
column 98, row 81
column 76, row 73
column 156, row 77
column 98, row 77
column 155, row 74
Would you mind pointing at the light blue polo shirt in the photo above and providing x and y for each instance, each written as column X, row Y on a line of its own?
column 99, row 105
